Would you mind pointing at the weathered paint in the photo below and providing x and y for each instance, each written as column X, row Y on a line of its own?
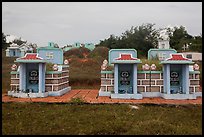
column 154, row 53
column 115, row 53
column 51, row 54
column 116, row 78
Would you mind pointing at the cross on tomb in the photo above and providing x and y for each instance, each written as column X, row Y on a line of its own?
column 185, row 47
column 162, row 56
column 49, row 55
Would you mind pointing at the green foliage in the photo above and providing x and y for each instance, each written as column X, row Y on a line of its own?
column 100, row 119
column 77, row 52
column 77, row 100
column 150, row 62
column 49, row 66
column 141, row 38
column 196, row 44
column 99, row 51
column 179, row 38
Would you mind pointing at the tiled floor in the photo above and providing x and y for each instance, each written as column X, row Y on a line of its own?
column 91, row 96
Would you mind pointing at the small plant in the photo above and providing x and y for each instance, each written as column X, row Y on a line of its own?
column 112, row 92
column 49, row 66
column 150, row 62
column 109, row 68
column 77, row 100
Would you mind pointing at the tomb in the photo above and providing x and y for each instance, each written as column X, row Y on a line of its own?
column 176, row 77
column 125, row 73
column 162, row 52
column 17, row 51
column 40, row 76
column 120, row 77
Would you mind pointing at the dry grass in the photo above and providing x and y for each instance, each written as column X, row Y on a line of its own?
column 7, row 62
column 80, row 118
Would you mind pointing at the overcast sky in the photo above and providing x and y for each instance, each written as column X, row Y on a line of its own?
column 89, row 22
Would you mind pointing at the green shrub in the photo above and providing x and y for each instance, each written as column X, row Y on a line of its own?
column 78, row 52
column 77, row 100
column 150, row 62
column 49, row 66
column 99, row 51
column 7, row 62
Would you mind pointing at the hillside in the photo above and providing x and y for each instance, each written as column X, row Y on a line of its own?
column 84, row 68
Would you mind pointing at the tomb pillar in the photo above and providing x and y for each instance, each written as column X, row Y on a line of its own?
column 134, row 78
column 22, row 76
column 40, row 78
column 116, row 78
column 166, row 77
column 185, row 79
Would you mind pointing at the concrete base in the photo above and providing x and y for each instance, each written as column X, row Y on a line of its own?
column 60, row 92
column 198, row 94
column 37, row 95
column 104, row 93
column 127, row 96
column 178, row 96
column 27, row 95
column 151, row 94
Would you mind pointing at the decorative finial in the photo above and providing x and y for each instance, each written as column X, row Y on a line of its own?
column 145, row 67
column 66, row 62
column 196, row 67
column 14, row 67
column 55, row 67
column 104, row 65
column 153, row 67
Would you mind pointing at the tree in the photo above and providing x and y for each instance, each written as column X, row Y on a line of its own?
column 19, row 41
column 4, row 44
column 141, row 38
column 196, row 44
column 179, row 38
column 3, row 38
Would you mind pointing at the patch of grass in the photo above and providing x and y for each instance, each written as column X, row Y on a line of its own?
column 77, row 52
column 7, row 62
column 100, row 119
column 150, row 62
column 99, row 52
column 84, row 72
column 49, row 66
column 77, row 100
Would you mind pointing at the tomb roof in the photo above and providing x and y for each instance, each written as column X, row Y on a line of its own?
column 126, row 58
column 30, row 57
column 177, row 58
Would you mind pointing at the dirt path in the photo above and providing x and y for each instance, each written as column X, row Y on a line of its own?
column 91, row 96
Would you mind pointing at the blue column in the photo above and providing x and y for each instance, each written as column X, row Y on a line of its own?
column 168, row 78
column 22, row 76
column 116, row 78
column 185, row 79
column 134, row 78
column 40, row 78
column 164, row 78
column 43, row 78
